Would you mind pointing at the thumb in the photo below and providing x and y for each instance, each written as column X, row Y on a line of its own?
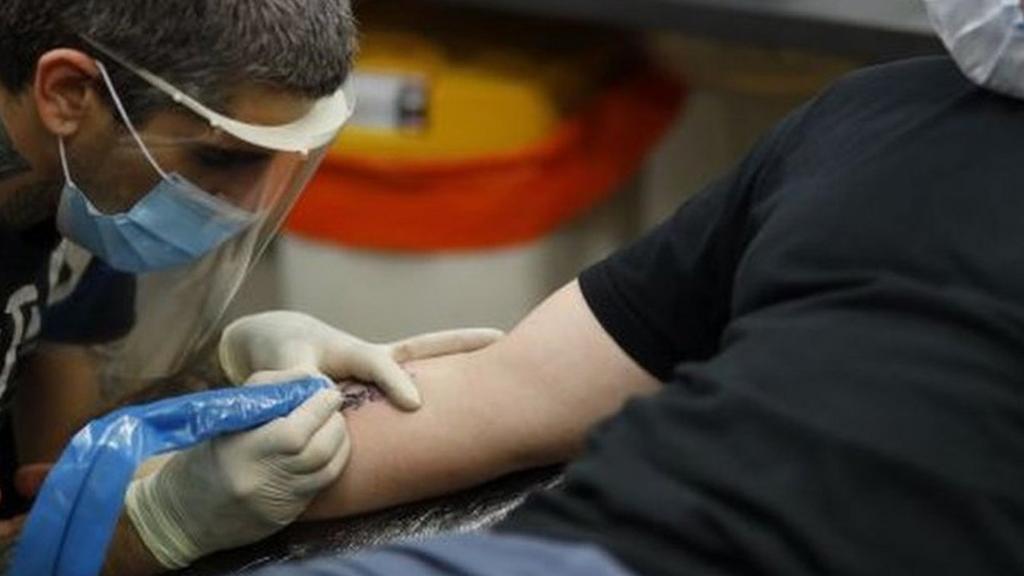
column 291, row 433
column 374, row 364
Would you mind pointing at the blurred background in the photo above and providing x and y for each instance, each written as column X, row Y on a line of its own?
column 501, row 146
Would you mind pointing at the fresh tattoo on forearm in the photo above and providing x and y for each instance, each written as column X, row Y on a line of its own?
column 358, row 394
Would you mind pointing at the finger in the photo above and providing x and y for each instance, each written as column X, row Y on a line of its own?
column 270, row 377
column 330, row 473
column 320, row 449
column 267, row 341
column 338, row 354
column 234, row 349
column 230, row 363
column 444, row 343
column 291, row 434
column 317, row 481
column 30, row 478
column 372, row 364
column 10, row 529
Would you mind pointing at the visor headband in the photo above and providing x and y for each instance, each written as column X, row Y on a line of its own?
column 316, row 129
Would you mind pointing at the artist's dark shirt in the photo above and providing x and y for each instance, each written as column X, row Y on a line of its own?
column 42, row 297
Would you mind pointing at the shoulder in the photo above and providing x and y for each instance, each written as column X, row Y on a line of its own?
column 875, row 95
column 917, row 82
column 911, row 75
column 897, row 107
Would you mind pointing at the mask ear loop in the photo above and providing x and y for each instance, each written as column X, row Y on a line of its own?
column 64, row 161
column 128, row 121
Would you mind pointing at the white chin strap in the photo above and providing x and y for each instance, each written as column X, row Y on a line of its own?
column 315, row 130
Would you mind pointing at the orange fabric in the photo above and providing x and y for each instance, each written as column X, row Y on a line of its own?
column 493, row 201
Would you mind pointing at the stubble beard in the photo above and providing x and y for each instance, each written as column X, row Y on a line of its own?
column 28, row 206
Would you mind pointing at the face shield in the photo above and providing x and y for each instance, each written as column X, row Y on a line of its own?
column 182, row 207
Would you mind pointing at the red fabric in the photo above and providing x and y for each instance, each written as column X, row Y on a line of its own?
column 490, row 201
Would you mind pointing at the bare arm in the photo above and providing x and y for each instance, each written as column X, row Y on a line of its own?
column 59, row 394
column 524, row 402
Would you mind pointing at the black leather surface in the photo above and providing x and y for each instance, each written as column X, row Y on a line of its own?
column 464, row 511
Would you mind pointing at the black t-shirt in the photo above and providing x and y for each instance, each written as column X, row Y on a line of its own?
column 42, row 298
column 25, row 259
column 840, row 324
column 25, row 263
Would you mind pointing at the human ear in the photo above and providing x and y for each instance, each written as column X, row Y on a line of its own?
column 63, row 90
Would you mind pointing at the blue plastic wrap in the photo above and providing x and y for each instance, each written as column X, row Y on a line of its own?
column 71, row 524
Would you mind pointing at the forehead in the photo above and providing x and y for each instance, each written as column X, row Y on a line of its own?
column 266, row 106
column 252, row 104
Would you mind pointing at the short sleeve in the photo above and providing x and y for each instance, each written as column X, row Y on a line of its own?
column 666, row 298
column 99, row 309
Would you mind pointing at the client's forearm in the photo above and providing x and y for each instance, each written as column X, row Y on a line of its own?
column 526, row 401
column 454, row 441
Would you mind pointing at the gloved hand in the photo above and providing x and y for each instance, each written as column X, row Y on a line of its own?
column 292, row 341
column 240, row 488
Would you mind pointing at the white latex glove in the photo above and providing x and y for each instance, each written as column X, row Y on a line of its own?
column 240, row 488
column 297, row 342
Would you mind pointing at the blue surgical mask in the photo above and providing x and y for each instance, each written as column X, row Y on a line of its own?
column 173, row 224
column 986, row 38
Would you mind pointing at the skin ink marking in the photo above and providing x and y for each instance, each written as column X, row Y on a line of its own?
column 358, row 394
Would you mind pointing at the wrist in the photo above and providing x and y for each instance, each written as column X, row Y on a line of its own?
column 506, row 442
column 128, row 555
column 157, row 520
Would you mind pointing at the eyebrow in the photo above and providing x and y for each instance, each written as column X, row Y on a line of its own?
column 235, row 152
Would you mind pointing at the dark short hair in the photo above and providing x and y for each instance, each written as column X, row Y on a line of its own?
column 204, row 47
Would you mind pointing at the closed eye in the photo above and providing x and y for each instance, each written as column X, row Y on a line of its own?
column 216, row 158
